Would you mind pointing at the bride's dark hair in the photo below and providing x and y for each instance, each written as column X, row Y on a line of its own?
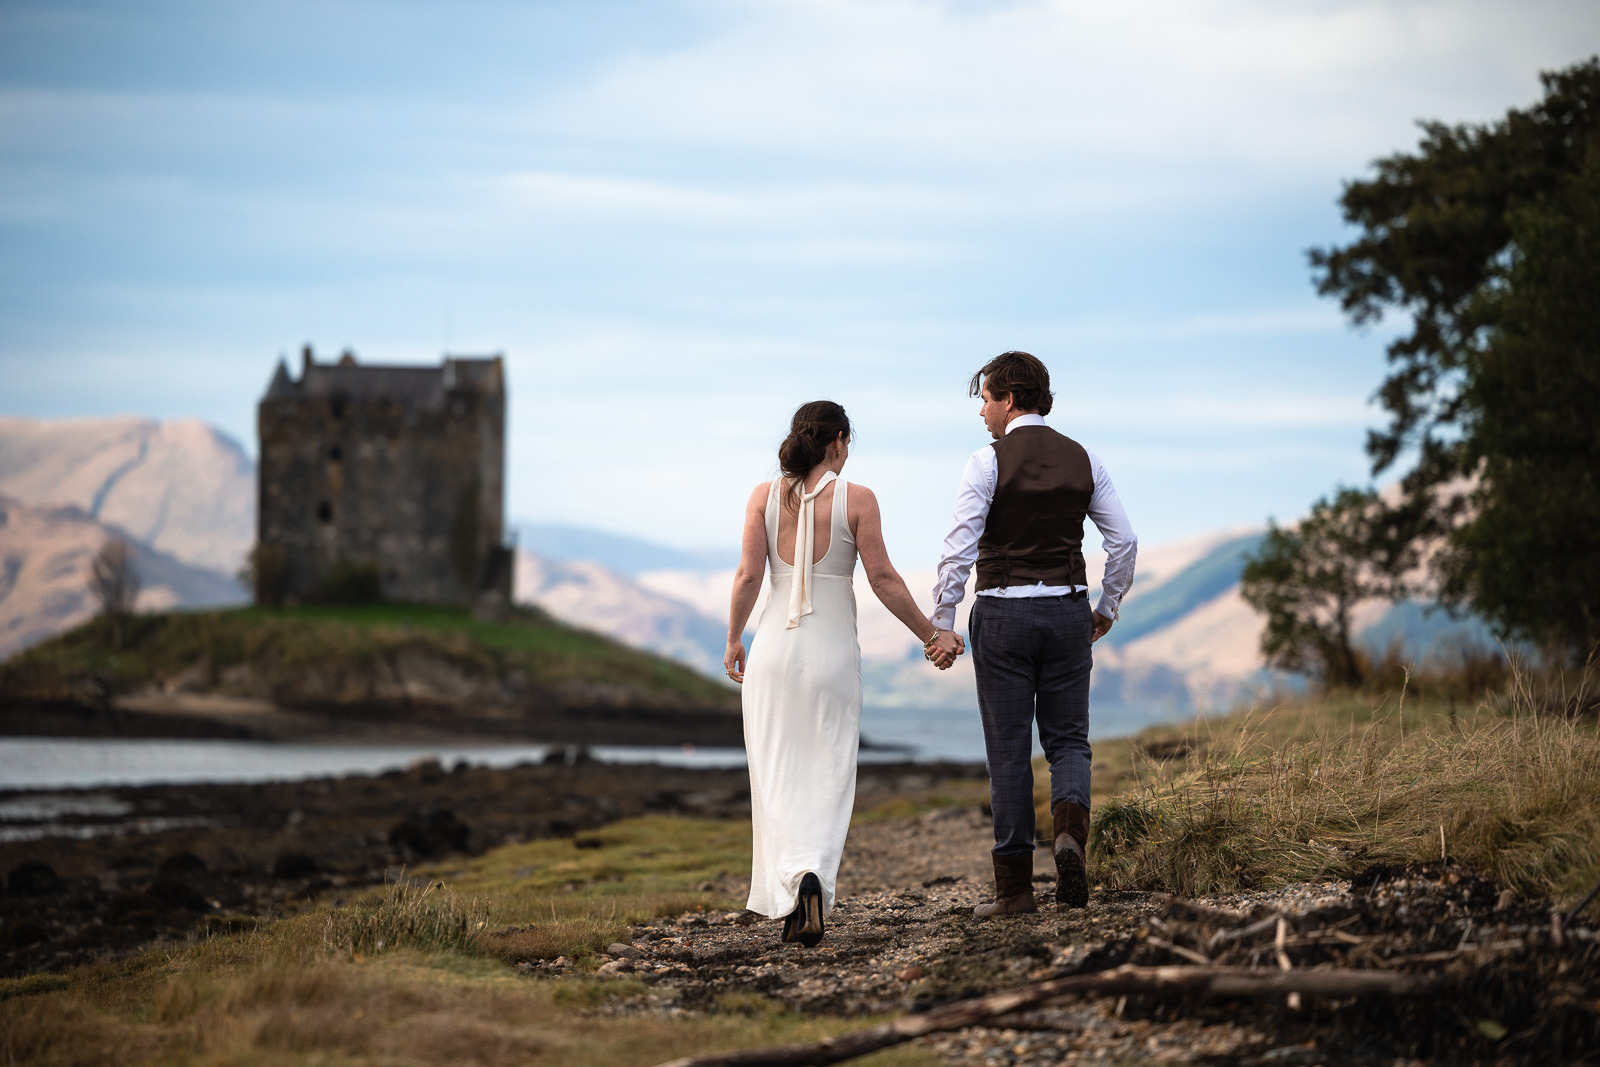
column 814, row 427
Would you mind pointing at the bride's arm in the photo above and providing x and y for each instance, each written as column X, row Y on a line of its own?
column 747, row 579
column 866, row 523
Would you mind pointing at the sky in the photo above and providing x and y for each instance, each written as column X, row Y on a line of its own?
column 679, row 220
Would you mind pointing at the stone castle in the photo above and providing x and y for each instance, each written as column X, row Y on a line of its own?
column 392, row 473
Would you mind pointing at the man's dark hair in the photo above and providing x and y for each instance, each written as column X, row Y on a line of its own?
column 1019, row 374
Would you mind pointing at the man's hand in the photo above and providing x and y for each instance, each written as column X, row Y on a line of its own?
column 947, row 645
column 1102, row 626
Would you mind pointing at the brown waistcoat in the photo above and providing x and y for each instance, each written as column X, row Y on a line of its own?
column 1034, row 533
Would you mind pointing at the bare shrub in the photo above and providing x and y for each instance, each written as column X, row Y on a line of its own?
column 114, row 581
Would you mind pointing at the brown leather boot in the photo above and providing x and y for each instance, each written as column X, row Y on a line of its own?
column 1013, row 887
column 1071, row 835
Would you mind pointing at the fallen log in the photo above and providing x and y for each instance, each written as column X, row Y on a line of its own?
column 1207, row 981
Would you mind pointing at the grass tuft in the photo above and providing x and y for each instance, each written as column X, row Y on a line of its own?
column 1317, row 790
column 430, row 918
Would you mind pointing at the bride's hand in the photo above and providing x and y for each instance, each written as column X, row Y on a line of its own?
column 733, row 661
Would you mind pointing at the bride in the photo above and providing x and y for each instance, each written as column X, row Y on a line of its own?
column 802, row 679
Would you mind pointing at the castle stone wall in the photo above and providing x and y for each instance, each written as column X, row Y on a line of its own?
column 400, row 468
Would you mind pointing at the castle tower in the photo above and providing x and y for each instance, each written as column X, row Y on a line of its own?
column 397, row 470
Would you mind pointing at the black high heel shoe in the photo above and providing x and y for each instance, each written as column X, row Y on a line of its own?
column 791, row 927
column 810, row 911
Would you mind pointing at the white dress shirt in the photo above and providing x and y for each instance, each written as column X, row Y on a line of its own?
column 973, row 500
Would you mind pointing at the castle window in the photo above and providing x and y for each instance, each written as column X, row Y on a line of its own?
column 335, row 453
column 336, row 408
column 324, row 512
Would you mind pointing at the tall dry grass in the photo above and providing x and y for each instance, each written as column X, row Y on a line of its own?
column 428, row 916
column 1320, row 789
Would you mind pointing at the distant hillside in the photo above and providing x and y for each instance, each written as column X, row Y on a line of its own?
column 589, row 595
column 616, row 552
column 181, row 487
column 1166, row 603
column 45, row 557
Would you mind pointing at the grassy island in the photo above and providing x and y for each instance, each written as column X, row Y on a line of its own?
column 385, row 660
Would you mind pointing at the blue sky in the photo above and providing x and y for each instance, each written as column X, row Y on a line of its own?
column 680, row 220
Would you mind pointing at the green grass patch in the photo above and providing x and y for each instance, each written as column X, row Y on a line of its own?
column 948, row 795
column 550, row 898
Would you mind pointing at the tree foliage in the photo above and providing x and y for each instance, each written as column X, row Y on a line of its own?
column 1308, row 579
column 114, row 581
column 1530, row 556
column 1437, row 243
column 1486, row 237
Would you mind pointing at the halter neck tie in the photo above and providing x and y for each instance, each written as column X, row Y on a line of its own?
column 805, row 535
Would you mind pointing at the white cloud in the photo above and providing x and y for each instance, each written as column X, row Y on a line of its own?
column 1031, row 94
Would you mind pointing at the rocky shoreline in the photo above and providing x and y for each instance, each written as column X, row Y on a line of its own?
column 94, row 873
column 186, row 716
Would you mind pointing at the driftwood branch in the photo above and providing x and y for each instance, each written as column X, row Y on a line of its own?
column 1243, row 933
column 1584, row 903
column 1209, row 981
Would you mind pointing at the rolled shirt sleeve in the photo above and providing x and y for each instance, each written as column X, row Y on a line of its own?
column 1117, row 538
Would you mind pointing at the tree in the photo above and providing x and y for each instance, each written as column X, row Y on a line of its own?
column 1530, row 556
column 114, row 581
column 1485, row 236
column 1307, row 580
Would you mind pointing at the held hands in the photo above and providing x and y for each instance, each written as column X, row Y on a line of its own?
column 733, row 661
column 943, row 647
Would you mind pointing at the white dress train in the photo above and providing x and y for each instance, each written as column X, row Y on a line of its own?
column 802, row 709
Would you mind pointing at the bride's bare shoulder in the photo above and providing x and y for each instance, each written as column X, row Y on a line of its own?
column 758, row 495
column 860, row 498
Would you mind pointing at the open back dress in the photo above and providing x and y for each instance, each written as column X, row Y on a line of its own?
column 802, row 708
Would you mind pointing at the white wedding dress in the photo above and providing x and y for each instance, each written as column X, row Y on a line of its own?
column 802, row 709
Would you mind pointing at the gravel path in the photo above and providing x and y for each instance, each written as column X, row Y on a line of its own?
column 902, row 939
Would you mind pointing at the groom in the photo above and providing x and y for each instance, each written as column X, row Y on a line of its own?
column 1019, row 515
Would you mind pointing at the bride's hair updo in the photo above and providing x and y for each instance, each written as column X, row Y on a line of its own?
column 814, row 427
